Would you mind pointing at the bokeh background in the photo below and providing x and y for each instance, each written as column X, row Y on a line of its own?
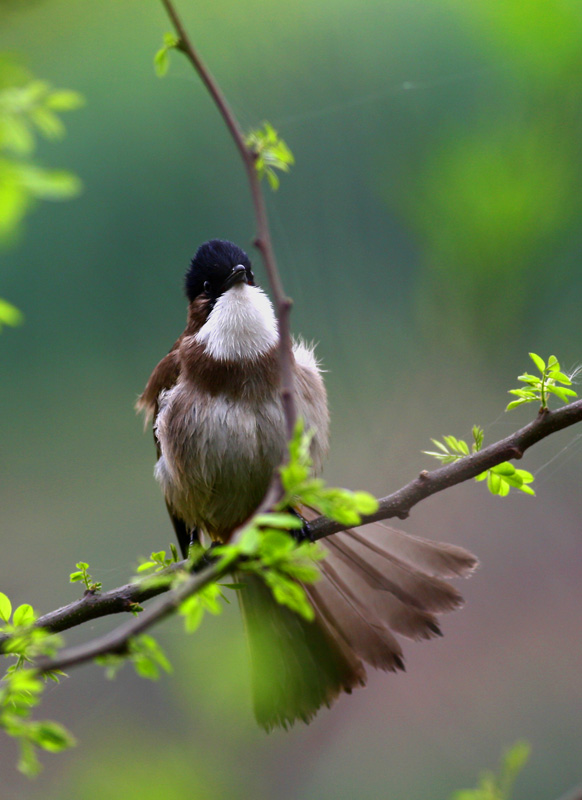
column 430, row 235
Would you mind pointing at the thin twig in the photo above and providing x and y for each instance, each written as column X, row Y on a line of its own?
column 397, row 504
column 263, row 237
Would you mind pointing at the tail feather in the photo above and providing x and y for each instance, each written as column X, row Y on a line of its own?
column 396, row 609
column 296, row 666
column 433, row 558
column 363, row 632
column 373, row 584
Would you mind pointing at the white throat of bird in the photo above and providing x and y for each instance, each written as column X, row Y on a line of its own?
column 242, row 325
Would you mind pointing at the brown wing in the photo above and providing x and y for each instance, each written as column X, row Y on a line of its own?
column 163, row 377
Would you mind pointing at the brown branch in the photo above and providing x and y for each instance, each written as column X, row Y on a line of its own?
column 263, row 237
column 116, row 642
column 397, row 504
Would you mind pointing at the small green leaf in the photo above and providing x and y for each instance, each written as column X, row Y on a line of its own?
column 280, row 520
column 365, row 502
column 47, row 122
column 9, row 314
column 515, row 404
column 517, row 757
column 24, row 615
column 64, row 100
column 193, row 612
column 52, row 737
column 505, row 468
column 171, row 40
column 5, row 607
column 493, row 482
column 249, row 541
column 504, row 488
column 161, row 62
column 146, row 565
column 539, row 362
column 527, row 489
column 561, row 392
column 560, row 377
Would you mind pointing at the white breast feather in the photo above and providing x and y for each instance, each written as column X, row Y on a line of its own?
column 242, row 325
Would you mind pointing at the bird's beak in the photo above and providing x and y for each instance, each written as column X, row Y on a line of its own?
column 238, row 275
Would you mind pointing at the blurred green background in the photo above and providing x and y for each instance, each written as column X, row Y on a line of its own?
column 430, row 235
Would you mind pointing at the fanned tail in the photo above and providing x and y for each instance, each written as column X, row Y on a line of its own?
column 374, row 584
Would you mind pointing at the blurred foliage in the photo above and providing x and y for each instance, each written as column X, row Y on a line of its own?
column 29, row 108
column 495, row 197
column 499, row 787
column 271, row 153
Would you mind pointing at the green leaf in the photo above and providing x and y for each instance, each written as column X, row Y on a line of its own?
column 5, row 607
column 64, row 100
column 504, row 488
column 493, row 482
column 365, row 502
column 527, row 378
column 193, row 612
column 171, row 40
column 517, row 757
column 505, row 468
column 278, row 520
column 560, row 377
column 146, row 565
column 525, row 476
column 9, row 314
column 16, row 136
column 249, row 541
column 47, row 122
column 24, row 615
column 515, row 404
column 561, row 392
column 290, row 594
column 539, row 362
column 478, row 436
column 161, row 62
column 50, row 184
column 52, row 737
column 271, row 153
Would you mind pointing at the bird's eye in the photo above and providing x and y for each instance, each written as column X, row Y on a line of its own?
column 251, row 275
column 207, row 288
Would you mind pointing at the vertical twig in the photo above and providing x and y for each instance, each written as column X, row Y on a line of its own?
column 263, row 237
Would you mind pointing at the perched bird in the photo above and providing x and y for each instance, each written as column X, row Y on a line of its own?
column 219, row 430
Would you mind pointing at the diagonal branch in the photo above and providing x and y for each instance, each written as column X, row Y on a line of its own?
column 117, row 641
column 263, row 237
column 397, row 504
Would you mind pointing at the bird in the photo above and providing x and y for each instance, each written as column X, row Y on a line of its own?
column 220, row 432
